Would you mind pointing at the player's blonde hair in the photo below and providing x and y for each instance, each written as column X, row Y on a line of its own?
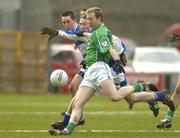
column 98, row 12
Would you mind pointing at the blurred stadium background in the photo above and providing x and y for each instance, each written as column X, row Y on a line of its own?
column 24, row 54
column 26, row 60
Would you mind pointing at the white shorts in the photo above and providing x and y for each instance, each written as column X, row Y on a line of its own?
column 95, row 74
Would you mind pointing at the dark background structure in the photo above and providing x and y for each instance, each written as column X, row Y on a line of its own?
column 140, row 20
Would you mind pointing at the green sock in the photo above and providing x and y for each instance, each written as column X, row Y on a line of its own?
column 138, row 87
column 169, row 115
column 71, row 126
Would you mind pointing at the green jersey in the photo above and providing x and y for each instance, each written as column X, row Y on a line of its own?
column 98, row 45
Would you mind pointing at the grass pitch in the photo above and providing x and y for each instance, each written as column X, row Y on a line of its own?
column 30, row 116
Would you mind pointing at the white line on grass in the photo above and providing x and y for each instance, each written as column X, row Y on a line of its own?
column 94, row 131
column 34, row 104
column 40, row 104
column 86, row 113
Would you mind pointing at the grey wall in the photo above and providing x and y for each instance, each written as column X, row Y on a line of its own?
column 141, row 20
column 8, row 14
column 34, row 14
column 25, row 15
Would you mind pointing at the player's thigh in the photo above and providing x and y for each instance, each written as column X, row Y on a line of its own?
column 83, row 95
column 108, row 88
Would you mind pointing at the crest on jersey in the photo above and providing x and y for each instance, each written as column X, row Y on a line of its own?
column 104, row 43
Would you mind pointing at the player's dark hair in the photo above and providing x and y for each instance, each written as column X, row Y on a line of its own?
column 84, row 9
column 69, row 13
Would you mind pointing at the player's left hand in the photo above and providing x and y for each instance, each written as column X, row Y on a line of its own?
column 48, row 31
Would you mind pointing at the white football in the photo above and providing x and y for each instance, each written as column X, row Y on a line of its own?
column 58, row 77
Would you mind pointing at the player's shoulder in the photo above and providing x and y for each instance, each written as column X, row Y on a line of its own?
column 102, row 30
column 103, row 27
column 115, row 38
column 77, row 28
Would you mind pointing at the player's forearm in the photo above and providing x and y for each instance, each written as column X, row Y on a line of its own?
column 67, row 36
column 114, row 54
column 87, row 34
column 73, row 37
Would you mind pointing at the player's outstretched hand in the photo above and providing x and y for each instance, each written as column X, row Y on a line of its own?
column 50, row 32
column 81, row 33
column 174, row 38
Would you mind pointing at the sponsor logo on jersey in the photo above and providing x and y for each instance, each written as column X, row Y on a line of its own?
column 104, row 43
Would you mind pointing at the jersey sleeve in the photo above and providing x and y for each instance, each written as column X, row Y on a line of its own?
column 119, row 46
column 71, row 36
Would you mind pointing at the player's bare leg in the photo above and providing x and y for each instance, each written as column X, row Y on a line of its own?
column 167, row 121
column 153, row 104
column 115, row 95
column 82, row 96
column 60, row 125
column 73, row 87
column 85, row 93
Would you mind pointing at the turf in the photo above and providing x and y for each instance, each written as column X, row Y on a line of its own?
column 30, row 116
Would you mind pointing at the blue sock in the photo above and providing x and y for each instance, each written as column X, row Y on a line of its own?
column 66, row 118
column 159, row 95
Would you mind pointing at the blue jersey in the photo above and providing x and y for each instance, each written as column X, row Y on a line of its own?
column 81, row 44
column 75, row 30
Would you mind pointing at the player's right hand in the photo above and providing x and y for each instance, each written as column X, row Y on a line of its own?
column 50, row 32
column 174, row 38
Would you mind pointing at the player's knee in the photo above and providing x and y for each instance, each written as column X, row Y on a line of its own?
column 130, row 99
column 115, row 98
